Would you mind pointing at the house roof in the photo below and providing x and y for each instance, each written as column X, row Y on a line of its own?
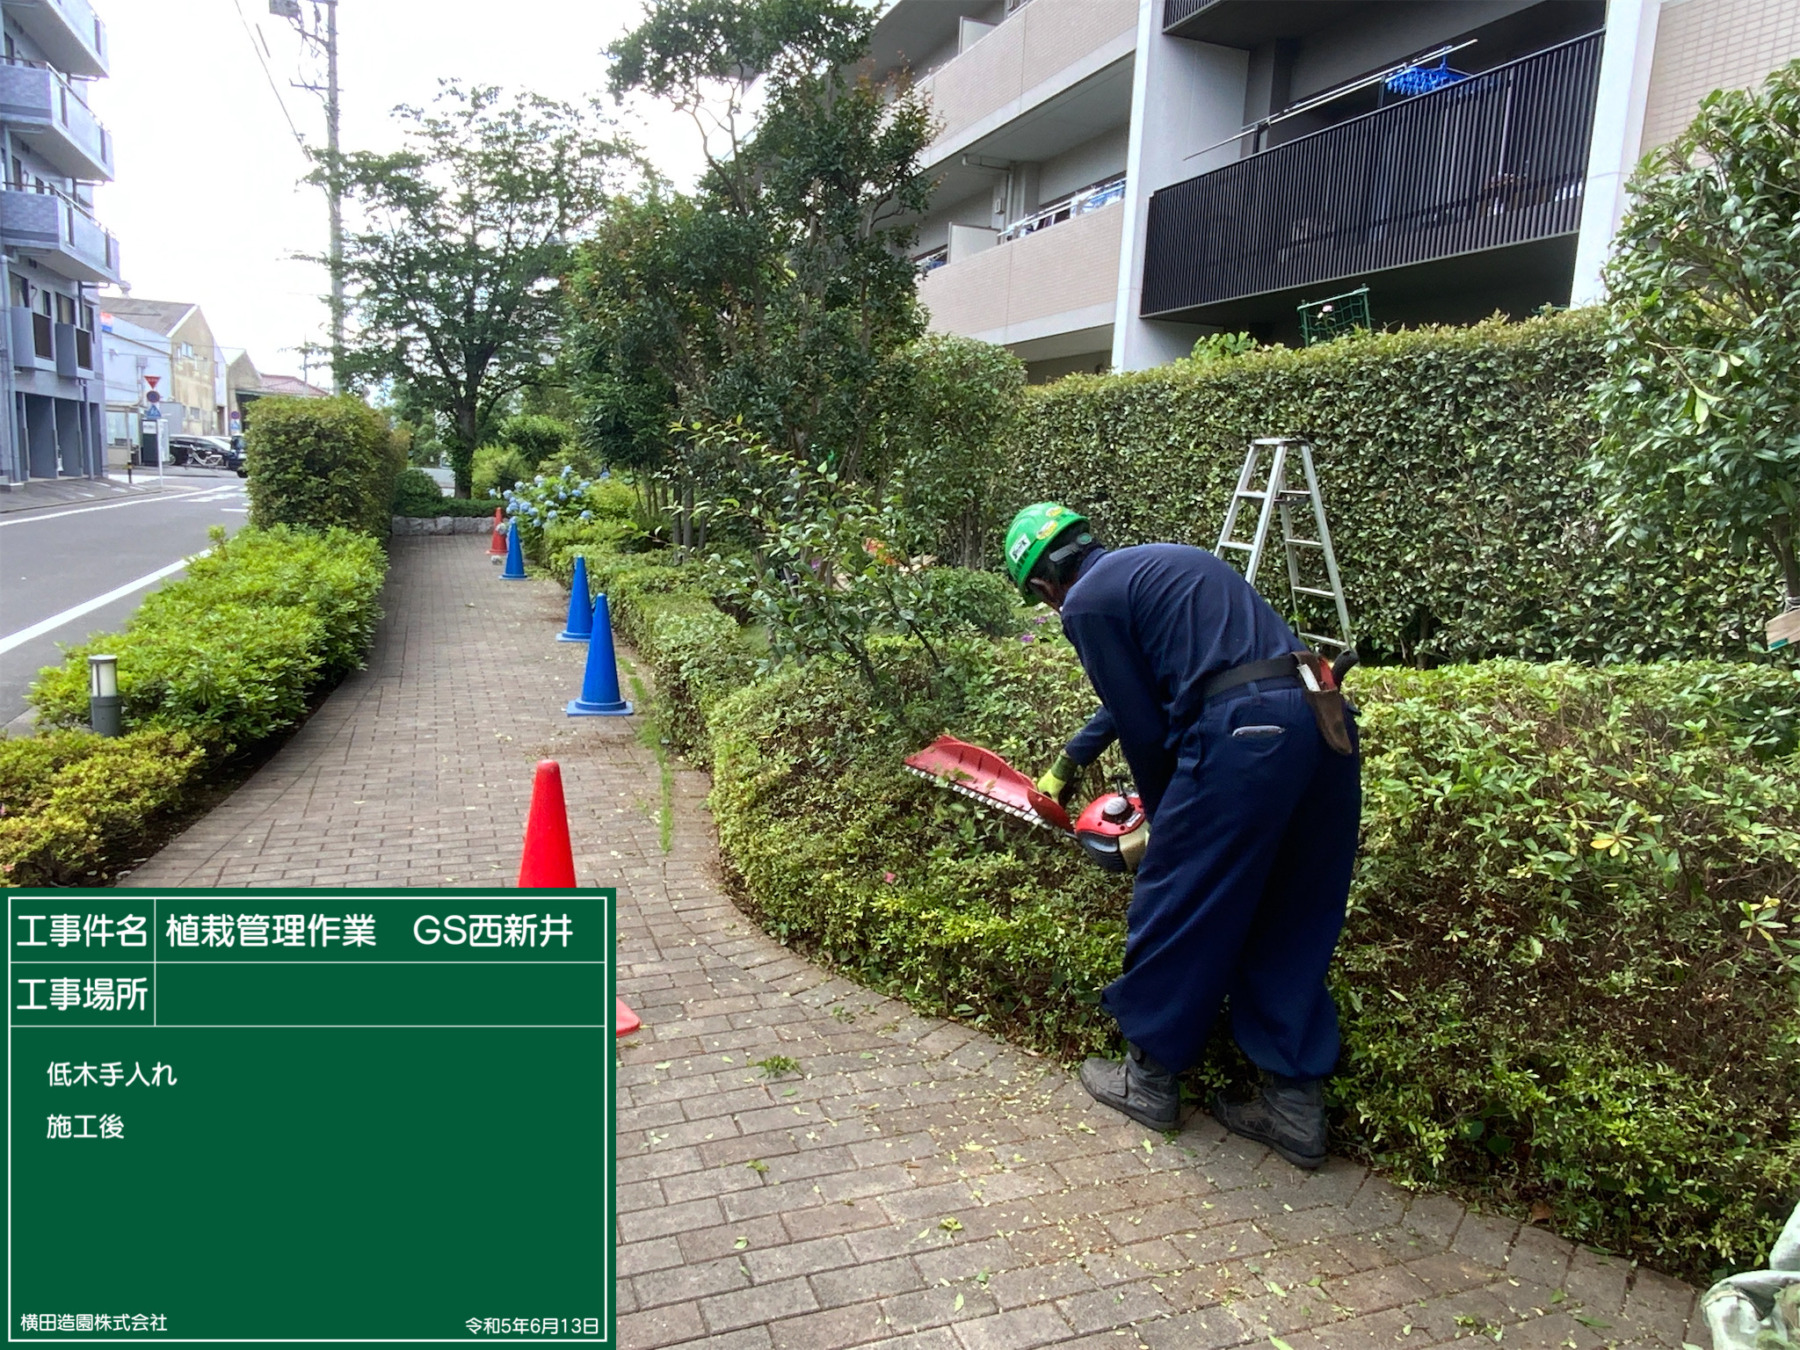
column 164, row 316
column 294, row 388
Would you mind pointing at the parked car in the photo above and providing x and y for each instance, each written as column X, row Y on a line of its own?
column 206, row 452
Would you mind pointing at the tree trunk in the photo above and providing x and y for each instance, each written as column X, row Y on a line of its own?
column 1788, row 555
column 462, row 448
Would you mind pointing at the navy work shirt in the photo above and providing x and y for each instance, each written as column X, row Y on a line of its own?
column 1151, row 625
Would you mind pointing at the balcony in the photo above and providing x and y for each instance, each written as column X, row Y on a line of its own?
column 33, row 341
column 1492, row 162
column 54, row 229
column 1044, row 285
column 43, row 108
column 69, row 32
column 1040, row 50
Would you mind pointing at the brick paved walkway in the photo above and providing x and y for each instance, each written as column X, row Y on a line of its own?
column 914, row 1183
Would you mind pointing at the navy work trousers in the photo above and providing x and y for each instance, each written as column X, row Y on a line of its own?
column 1241, row 893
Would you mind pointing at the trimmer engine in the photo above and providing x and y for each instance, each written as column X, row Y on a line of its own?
column 1114, row 831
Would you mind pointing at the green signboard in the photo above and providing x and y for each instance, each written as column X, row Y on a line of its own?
column 313, row 1115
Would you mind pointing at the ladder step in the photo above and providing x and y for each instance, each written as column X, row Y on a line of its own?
column 1252, row 496
column 1314, row 590
column 1321, row 637
column 1232, row 543
column 1304, row 543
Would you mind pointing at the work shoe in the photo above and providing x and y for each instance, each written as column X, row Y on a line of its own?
column 1287, row 1114
column 1136, row 1085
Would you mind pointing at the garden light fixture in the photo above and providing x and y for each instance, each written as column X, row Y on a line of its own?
column 103, row 695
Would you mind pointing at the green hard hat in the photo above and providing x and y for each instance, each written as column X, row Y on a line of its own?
column 1031, row 534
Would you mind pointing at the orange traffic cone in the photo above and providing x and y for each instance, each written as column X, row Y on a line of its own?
column 497, row 542
column 628, row 1020
column 549, row 859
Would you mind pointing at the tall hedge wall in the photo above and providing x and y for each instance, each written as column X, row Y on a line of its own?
column 1453, row 467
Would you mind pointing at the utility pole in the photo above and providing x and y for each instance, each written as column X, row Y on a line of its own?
column 334, row 196
column 334, row 193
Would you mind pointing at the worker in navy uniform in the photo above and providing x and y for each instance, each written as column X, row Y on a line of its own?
column 1248, row 770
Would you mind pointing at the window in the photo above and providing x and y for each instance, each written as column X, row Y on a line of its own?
column 187, row 351
column 21, row 291
column 18, row 176
column 87, row 317
column 65, row 309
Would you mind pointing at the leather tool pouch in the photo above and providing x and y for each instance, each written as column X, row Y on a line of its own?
column 1326, row 701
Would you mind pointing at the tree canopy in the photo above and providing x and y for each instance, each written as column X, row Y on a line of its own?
column 1700, row 408
column 454, row 267
column 775, row 290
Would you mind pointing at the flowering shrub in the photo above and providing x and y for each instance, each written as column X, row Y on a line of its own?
column 537, row 503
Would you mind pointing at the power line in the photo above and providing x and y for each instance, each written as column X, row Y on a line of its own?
column 262, row 61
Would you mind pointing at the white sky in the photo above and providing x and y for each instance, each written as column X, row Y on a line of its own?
column 208, row 206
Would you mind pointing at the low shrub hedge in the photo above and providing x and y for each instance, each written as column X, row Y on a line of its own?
column 418, row 497
column 458, row 508
column 416, row 493
column 211, row 664
column 1563, row 979
column 73, row 805
column 233, row 651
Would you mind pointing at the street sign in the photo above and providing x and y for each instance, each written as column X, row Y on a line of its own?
column 153, row 413
column 152, row 398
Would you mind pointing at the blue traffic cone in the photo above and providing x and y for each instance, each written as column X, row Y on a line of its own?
column 515, row 556
column 600, row 681
column 580, row 626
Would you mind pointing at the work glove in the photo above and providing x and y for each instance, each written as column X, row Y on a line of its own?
column 1059, row 779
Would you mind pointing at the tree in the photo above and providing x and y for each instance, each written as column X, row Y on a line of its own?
column 774, row 291
column 1700, row 407
column 465, row 233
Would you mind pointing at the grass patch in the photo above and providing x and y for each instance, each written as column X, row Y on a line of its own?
column 650, row 732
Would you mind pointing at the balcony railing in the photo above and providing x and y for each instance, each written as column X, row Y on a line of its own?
column 58, row 229
column 1493, row 160
column 49, row 110
column 1075, row 204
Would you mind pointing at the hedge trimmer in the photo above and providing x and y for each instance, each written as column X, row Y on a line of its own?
column 1112, row 829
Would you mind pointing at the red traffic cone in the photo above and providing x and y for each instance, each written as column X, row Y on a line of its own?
column 628, row 1020
column 497, row 541
column 549, row 859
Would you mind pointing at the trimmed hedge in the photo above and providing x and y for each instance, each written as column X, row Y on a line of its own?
column 320, row 463
column 1449, row 458
column 1550, row 985
column 73, row 805
column 233, row 651
column 229, row 655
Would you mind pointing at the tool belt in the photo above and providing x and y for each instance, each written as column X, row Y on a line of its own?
column 1308, row 670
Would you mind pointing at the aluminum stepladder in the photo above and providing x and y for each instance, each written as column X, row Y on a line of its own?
column 1274, row 498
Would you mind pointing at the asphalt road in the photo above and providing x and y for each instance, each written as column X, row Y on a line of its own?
column 57, row 559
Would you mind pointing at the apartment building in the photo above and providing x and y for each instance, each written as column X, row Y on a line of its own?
column 53, row 254
column 1119, row 177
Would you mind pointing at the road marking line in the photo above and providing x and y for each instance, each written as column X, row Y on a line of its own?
column 55, row 621
column 180, row 494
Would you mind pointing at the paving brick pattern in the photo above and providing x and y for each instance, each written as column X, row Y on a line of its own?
column 913, row 1183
